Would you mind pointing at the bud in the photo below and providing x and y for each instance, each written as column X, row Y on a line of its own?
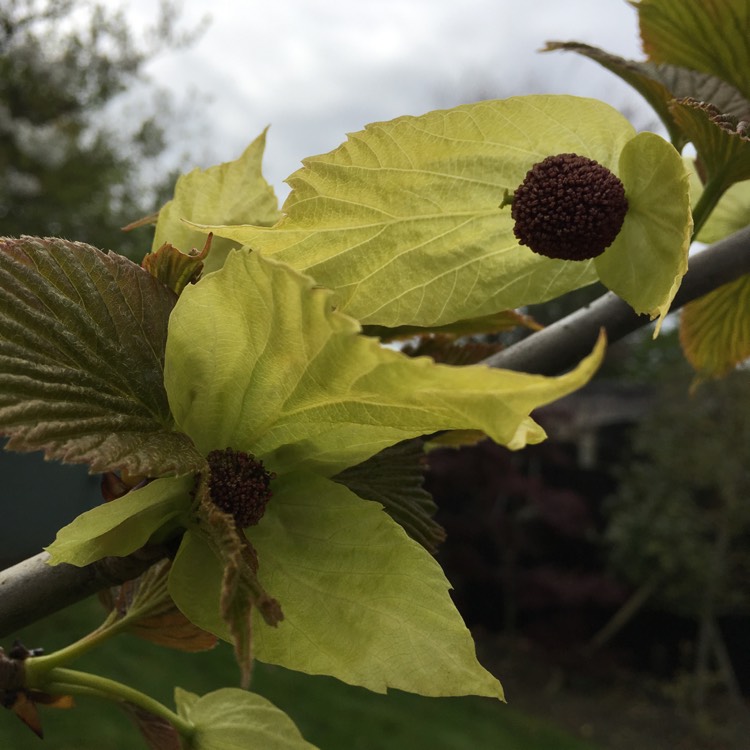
column 239, row 485
column 568, row 207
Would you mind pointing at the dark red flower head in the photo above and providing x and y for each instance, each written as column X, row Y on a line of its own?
column 568, row 207
column 239, row 485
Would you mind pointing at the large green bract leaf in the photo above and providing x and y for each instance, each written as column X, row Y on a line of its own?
column 402, row 220
column 656, row 236
column 234, row 192
column 232, row 719
column 707, row 35
column 257, row 360
column 124, row 525
column 342, row 565
column 362, row 601
column 715, row 329
column 82, row 338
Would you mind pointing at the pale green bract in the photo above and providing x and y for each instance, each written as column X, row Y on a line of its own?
column 258, row 360
column 403, row 220
column 119, row 528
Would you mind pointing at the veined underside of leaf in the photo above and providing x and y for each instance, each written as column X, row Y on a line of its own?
column 715, row 329
column 403, row 219
column 659, row 83
column 82, row 339
column 394, row 478
column 722, row 141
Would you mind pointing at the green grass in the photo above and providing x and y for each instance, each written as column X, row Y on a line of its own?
column 330, row 714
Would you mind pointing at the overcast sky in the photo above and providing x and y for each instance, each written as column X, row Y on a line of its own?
column 316, row 69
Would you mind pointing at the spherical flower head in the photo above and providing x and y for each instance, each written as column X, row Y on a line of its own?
column 568, row 207
column 239, row 485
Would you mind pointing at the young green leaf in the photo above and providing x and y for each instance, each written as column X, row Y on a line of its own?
column 708, row 36
column 175, row 268
column 230, row 193
column 232, row 719
column 124, row 525
column 82, row 339
column 722, row 141
column 362, row 601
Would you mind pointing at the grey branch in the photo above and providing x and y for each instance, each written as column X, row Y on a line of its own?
column 32, row 589
column 564, row 343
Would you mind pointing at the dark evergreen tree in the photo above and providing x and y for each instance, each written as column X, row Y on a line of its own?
column 65, row 171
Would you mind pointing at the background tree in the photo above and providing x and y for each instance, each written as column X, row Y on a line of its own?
column 66, row 171
column 679, row 523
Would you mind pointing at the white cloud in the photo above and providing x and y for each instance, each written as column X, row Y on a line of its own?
column 316, row 69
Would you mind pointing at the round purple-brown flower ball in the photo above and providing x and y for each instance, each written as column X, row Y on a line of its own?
column 239, row 485
column 568, row 207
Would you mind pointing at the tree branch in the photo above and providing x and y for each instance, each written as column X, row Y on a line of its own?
column 32, row 589
column 564, row 343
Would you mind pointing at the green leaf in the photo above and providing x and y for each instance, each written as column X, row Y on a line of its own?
column 124, row 525
column 230, row 193
column 82, row 338
column 195, row 582
column 362, row 601
column 305, row 390
column 722, row 142
column 403, row 222
column 706, row 35
column 174, row 268
column 715, row 329
column 446, row 350
column 232, row 719
column 394, row 479
column 660, row 83
column 652, row 263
